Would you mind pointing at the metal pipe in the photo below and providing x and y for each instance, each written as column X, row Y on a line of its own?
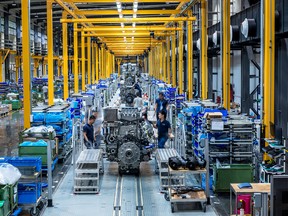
column 173, row 48
column 168, row 67
column 89, row 59
column 190, row 56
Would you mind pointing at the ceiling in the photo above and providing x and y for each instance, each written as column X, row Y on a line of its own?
column 108, row 9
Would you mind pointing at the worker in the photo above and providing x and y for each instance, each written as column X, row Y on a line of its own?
column 45, row 91
column 160, row 104
column 97, row 128
column 138, row 101
column 138, row 88
column 164, row 129
column 88, row 132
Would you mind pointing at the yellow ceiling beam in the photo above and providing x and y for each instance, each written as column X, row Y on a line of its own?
column 125, row 34
column 126, row 12
column 129, row 20
column 138, row 28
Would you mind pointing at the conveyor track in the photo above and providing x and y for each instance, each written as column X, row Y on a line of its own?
column 128, row 198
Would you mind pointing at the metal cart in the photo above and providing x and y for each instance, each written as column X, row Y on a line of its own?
column 196, row 194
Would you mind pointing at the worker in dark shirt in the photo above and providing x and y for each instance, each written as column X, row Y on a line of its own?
column 160, row 104
column 164, row 129
column 88, row 132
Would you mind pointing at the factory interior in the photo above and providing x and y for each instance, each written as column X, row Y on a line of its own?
column 143, row 108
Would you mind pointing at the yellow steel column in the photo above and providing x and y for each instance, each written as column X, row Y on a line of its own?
column 180, row 59
column 203, row 51
column 25, row 12
column 102, row 61
column 190, row 56
column 160, row 60
column 89, row 59
column 93, row 63
column 226, row 54
column 150, row 63
column 113, row 60
column 107, row 62
column 65, row 57
column 173, row 47
column 269, row 67
column 50, row 52
column 97, row 62
column 76, row 72
column 168, row 60
column 164, row 61
column 83, row 59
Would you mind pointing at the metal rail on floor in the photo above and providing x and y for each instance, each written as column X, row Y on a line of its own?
column 128, row 198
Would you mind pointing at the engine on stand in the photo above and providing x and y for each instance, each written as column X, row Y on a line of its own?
column 127, row 89
column 127, row 138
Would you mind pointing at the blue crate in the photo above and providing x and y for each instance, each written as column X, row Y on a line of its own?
column 29, row 193
column 38, row 117
column 52, row 117
column 25, row 162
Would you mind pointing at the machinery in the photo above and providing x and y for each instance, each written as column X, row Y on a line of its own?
column 127, row 89
column 127, row 138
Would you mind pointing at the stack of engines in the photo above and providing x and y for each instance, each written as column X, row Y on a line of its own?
column 127, row 90
column 127, row 138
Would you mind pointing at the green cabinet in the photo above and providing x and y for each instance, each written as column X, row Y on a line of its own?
column 234, row 173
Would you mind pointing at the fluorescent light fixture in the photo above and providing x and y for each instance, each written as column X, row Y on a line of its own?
column 135, row 10
column 134, row 15
column 119, row 10
column 118, row 3
column 118, row 6
column 132, row 38
column 123, row 31
column 120, row 15
column 135, row 4
column 134, row 25
column 122, row 25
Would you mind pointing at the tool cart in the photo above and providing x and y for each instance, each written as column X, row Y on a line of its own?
column 187, row 194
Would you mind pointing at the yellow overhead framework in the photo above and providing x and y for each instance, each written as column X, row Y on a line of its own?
column 203, row 50
column 126, row 12
column 269, row 67
column 50, row 52
column 110, row 34
column 129, row 20
column 226, row 53
column 25, row 15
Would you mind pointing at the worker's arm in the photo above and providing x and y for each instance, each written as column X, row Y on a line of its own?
column 169, row 131
column 85, row 136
